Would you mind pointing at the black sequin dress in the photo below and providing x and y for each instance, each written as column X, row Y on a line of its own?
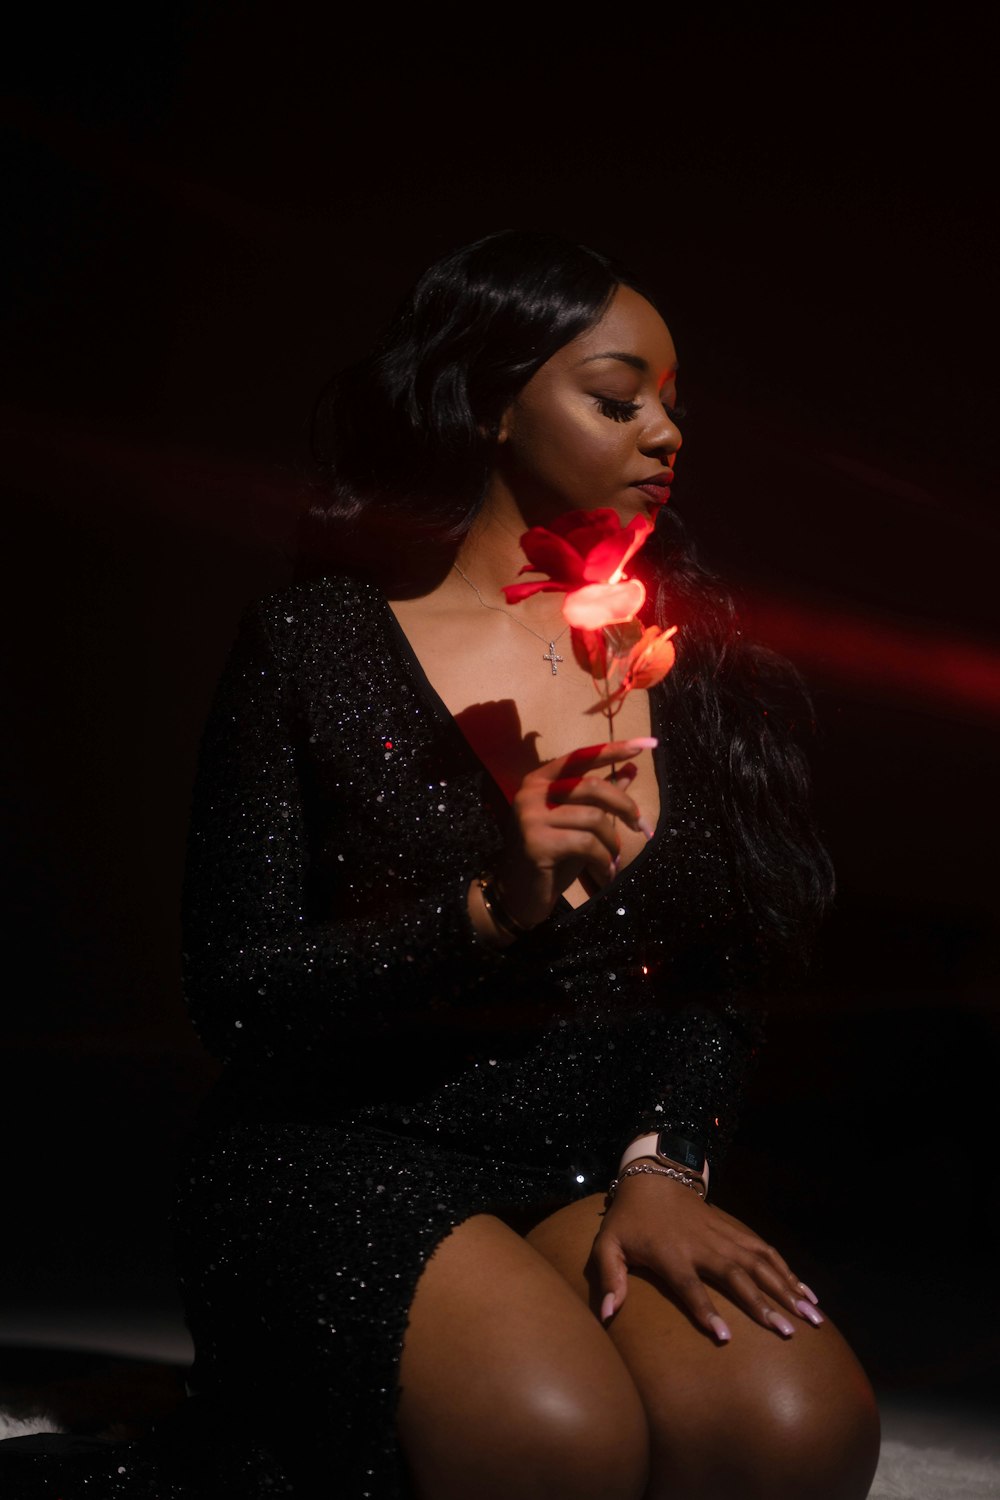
column 387, row 1075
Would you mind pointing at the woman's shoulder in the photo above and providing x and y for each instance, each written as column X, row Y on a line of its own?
column 340, row 605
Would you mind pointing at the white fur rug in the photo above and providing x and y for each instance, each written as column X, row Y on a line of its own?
column 905, row 1472
column 14, row 1427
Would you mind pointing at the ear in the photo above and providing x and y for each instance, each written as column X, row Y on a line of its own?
column 506, row 426
column 501, row 432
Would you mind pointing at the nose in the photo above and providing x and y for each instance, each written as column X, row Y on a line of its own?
column 662, row 437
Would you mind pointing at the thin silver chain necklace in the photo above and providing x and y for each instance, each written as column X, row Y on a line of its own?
column 550, row 655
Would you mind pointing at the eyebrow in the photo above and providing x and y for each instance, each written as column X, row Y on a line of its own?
column 634, row 360
column 627, row 359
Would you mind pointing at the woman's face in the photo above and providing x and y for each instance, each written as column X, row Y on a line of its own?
column 593, row 427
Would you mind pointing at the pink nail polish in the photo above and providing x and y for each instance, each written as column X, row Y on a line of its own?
column 809, row 1312
column 645, row 827
column 720, row 1329
column 809, row 1292
column 607, row 1307
column 648, row 742
column 779, row 1323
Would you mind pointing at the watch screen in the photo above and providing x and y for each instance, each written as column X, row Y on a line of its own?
column 677, row 1148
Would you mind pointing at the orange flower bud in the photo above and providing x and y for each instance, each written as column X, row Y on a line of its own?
column 651, row 658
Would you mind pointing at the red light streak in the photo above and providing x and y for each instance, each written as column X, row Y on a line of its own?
column 906, row 663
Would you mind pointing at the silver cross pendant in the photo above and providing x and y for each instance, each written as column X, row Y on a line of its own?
column 552, row 656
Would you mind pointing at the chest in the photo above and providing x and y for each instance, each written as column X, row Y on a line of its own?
column 498, row 684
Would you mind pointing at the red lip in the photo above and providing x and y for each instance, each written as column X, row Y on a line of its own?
column 656, row 487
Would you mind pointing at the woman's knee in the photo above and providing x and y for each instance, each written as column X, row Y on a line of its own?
column 793, row 1429
column 509, row 1386
column 581, row 1441
column 818, row 1439
column 570, row 1438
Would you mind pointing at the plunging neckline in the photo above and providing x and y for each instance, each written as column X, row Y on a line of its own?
column 502, row 806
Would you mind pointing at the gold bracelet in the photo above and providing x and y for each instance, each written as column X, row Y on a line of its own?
column 508, row 924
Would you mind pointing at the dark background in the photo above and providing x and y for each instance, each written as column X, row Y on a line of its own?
column 212, row 212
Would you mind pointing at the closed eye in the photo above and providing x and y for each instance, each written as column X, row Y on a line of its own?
column 625, row 411
column 618, row 411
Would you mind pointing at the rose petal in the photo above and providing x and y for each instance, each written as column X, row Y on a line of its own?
column 651, row 659
column 599, row 604
column 548, row 553
column 641, row 527
column 603, row 521
column 515, row 592
column 591, row 651
column 606, row 559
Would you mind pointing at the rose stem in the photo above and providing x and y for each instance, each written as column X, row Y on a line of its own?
column 607, row 707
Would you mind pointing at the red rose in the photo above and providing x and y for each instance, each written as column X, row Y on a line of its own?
column 580, row 549
column 584, row 553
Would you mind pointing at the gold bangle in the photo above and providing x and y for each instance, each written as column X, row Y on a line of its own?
column 508, row 924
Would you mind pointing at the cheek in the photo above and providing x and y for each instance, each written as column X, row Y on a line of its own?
column 602, row 445
column 571, row 439
column 550, row 440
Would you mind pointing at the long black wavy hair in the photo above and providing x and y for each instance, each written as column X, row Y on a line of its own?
column 407, row 437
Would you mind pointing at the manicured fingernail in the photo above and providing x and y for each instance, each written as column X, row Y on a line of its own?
column 648, row 743
column 616, row 864
column 809, row 1292
column 719, row 1329
column 777, row 1321
column 645, row 827
column 607, row 1307
column 808, row 1311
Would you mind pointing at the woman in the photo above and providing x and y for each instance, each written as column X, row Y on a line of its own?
column 524, row 378
column 463, row 957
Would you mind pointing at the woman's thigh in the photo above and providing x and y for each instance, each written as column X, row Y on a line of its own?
column 509, row 1387
column 761, row 1416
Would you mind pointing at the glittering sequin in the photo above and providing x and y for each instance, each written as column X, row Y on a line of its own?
column 387, row 1075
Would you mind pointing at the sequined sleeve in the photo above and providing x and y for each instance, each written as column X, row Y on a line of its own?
column 262, row 975
column 714, row 1049
column 713, row 1041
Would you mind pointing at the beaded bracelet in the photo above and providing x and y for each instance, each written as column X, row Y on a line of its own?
column 508, row 924
column 695, row 1183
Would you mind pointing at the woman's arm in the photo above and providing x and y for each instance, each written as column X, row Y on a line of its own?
column 697, row 1075
column 665, row 1227
column 260, row 976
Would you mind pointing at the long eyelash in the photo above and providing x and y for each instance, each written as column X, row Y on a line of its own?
column 618, row 411
column 625, row 411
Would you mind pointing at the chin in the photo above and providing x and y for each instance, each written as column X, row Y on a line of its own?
column 634, row 503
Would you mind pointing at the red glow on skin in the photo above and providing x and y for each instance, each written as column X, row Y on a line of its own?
column 905, row 663
column 668, row 377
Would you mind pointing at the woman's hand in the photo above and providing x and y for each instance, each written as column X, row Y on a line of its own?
column 668, row 1229
column 563, row 825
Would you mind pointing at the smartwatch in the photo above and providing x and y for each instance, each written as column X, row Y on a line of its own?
column 672, row 1150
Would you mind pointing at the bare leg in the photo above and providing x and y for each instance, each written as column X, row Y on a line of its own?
column 759, row 1419
column 510, row 1388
